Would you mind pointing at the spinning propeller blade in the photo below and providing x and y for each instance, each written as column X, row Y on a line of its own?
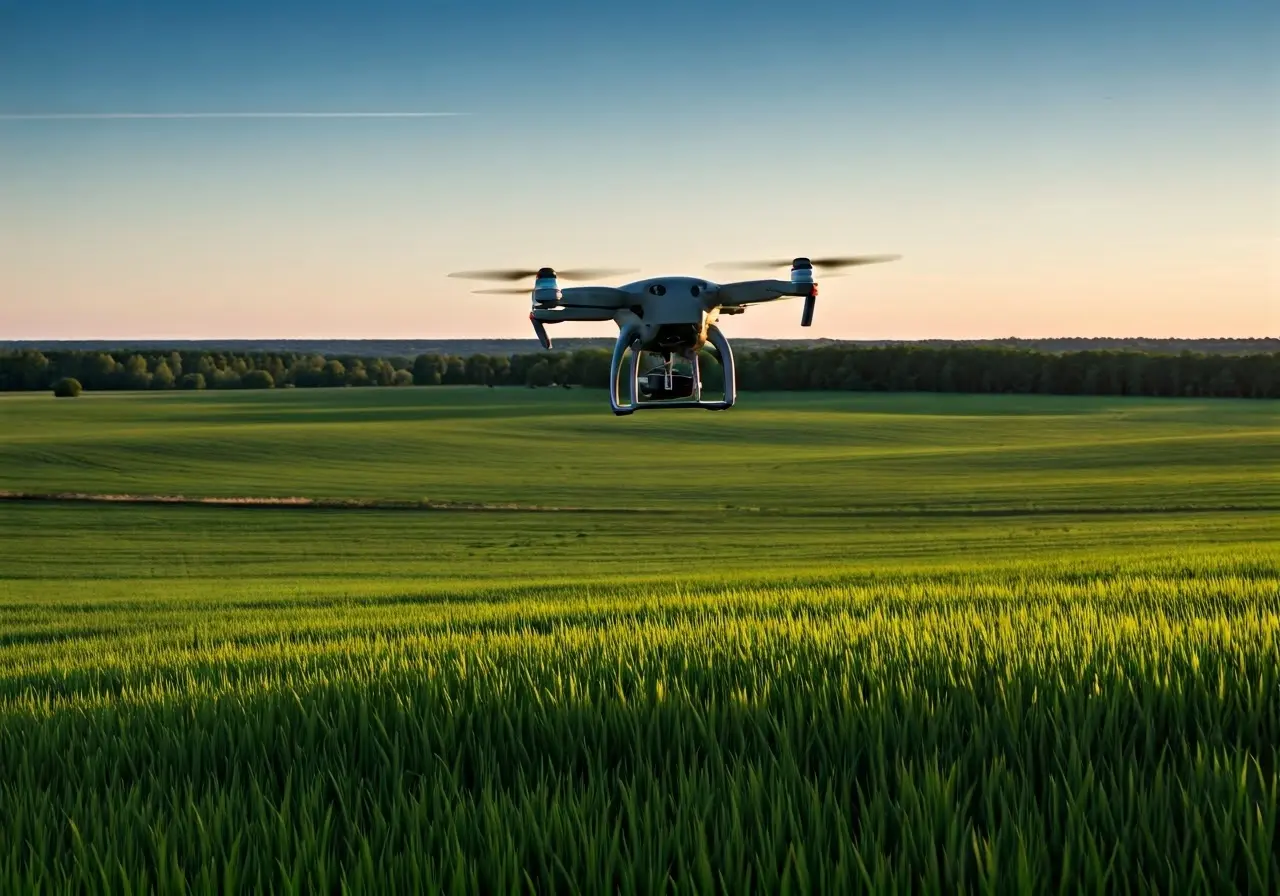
column 505, row 291
column 527, row 274
column 833, row 263
column 494, row 275
column 593, row 273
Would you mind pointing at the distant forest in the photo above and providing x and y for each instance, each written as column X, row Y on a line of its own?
column 411, row 348
column 835, row 366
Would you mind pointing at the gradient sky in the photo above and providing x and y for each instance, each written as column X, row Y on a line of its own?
column 1068, row 169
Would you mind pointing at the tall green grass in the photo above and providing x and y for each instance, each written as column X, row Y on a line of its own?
column 1089, row 724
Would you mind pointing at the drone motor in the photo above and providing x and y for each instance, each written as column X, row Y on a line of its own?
column 546, row 289
column 802, row 274
column 801, row 271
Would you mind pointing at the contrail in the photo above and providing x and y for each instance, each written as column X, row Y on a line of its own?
column 109, row 116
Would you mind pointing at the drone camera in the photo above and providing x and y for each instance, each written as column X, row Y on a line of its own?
column 659, row 385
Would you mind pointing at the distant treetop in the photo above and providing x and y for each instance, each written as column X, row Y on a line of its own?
column 410, row 348
column 900, row 367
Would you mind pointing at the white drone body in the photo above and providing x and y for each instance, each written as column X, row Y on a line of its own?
column 674, row 317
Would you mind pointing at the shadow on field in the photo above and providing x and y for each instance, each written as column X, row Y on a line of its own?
column 301, row 503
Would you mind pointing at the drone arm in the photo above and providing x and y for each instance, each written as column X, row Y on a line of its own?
column 595, row 297
column 556, row 315
column 540, row 317
column 755, row 292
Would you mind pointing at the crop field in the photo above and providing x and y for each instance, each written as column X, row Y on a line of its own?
column 818, row 643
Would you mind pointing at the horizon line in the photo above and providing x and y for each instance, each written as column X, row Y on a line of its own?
column 129, row 340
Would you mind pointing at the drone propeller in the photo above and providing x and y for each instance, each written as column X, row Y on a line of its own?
column 544, row 291
column 526, row 274
column 832, row 263
column 802, row 273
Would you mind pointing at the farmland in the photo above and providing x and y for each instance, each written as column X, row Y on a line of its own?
column 776, row 452
column 849, row 642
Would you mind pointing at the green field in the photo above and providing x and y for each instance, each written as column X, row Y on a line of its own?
column 775, row 452
column 817, row 643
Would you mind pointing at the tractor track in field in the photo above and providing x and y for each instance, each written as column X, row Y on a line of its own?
column 279, row 502
column 427, row 505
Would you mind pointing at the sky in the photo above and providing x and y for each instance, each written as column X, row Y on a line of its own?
column 1066, row 169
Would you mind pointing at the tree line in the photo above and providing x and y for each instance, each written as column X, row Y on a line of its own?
column 838, row 367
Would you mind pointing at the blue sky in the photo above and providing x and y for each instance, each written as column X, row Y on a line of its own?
column 1066, row 169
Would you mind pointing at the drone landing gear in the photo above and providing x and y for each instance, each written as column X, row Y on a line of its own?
column 662, row 387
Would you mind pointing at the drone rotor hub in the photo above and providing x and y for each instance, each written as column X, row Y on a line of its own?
column 801, row 271
column 546, row 288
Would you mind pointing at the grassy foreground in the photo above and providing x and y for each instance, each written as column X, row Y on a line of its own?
column 814, row 696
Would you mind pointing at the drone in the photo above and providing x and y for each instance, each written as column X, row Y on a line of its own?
column 671, row 317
